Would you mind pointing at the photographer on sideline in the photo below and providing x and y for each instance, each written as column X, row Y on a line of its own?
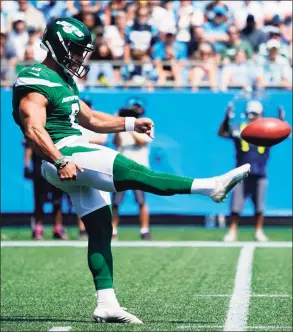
column 135, row 146
column 94, row 138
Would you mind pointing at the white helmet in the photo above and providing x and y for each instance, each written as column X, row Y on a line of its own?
column 254, row 106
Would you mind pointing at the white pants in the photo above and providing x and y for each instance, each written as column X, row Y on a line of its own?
column 91, row 190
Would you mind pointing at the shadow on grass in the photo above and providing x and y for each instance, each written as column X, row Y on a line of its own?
column 41, row 319
column 30, row 319
column 177, row 322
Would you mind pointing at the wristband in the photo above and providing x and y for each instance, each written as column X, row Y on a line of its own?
column 61, row 162
column 129, row 123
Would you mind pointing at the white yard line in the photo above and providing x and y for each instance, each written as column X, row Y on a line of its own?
column 253, row 327
column 151, row 244
column 61, row 328
column 269, row 328
column 195, row 327
column 272, row 295
column 238, row 309
column 251, row 295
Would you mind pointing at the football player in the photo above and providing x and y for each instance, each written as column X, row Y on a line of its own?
column 48, row 109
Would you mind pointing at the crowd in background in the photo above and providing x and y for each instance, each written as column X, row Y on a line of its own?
column 150, row 43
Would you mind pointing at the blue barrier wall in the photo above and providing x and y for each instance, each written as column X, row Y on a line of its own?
column 186, row 143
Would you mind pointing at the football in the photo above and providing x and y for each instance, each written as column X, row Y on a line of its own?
column 266, row 132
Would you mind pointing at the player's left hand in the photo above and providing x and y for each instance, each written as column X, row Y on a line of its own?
column 281, row 113
column 144, row 126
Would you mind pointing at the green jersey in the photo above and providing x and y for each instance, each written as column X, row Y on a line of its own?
column 63, row 99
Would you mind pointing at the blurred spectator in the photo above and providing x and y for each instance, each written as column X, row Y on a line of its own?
column 216, row 29
column 238, row 73
column 234, row 44
column 8, row 58
column 160, row 15
column 28, row 59
column 197, row 38
column 101, row 70
column 131, row 13
column 185, row 14
column 35, row 40
column 18, row 37
column 251, row 34
column 274, row 68
column 75, row 8
column 52, row 9
column 241, row 9
column 206, row 70
column 173, row 51
column 29, row 55
column 281, row 9
column 210, row 10
column 143, row 74
column 141, row 35
column 32, row 16
column 112, row 10
column 91, row 22
column 9, row 52
column 115, row 38
column 8, row 8
column 88, row 16
column 275, row 35
column 3, row 19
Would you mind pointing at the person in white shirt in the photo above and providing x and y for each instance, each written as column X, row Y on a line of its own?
column 241, row 9
column 135, row 147
column 115, row 38
column 274, row 68
column 280, row 8
column 18, row 38
column 94, row 138
column 32, row 16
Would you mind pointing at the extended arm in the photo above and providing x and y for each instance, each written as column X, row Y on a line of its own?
column 104, row 123
column 99, row 122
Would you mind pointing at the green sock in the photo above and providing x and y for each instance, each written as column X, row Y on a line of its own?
column 99, row 228
column 131, row 175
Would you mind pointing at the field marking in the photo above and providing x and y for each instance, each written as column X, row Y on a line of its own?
column 254, row 327
column 194, row 327
column 61, row 328
column 238, row 309
column 151, row 244
column 269, row 328
column 251, row 295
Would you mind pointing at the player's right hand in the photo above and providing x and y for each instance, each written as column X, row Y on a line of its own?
column 69, row 172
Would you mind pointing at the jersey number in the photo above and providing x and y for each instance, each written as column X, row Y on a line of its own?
column 72, row 116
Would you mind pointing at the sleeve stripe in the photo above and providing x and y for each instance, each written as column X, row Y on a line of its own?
column 34, row 81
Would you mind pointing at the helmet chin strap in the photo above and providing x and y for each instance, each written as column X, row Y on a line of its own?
column 49, row 49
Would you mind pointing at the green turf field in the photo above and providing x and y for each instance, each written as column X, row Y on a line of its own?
column 160, row 233
column 170, row 289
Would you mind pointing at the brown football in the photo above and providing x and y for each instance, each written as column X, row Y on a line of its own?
column 266, row 132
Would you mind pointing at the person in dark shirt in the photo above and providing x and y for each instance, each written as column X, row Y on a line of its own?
column 43, row 192
column 255, row 185
column 253, row 35
column 141, row 36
